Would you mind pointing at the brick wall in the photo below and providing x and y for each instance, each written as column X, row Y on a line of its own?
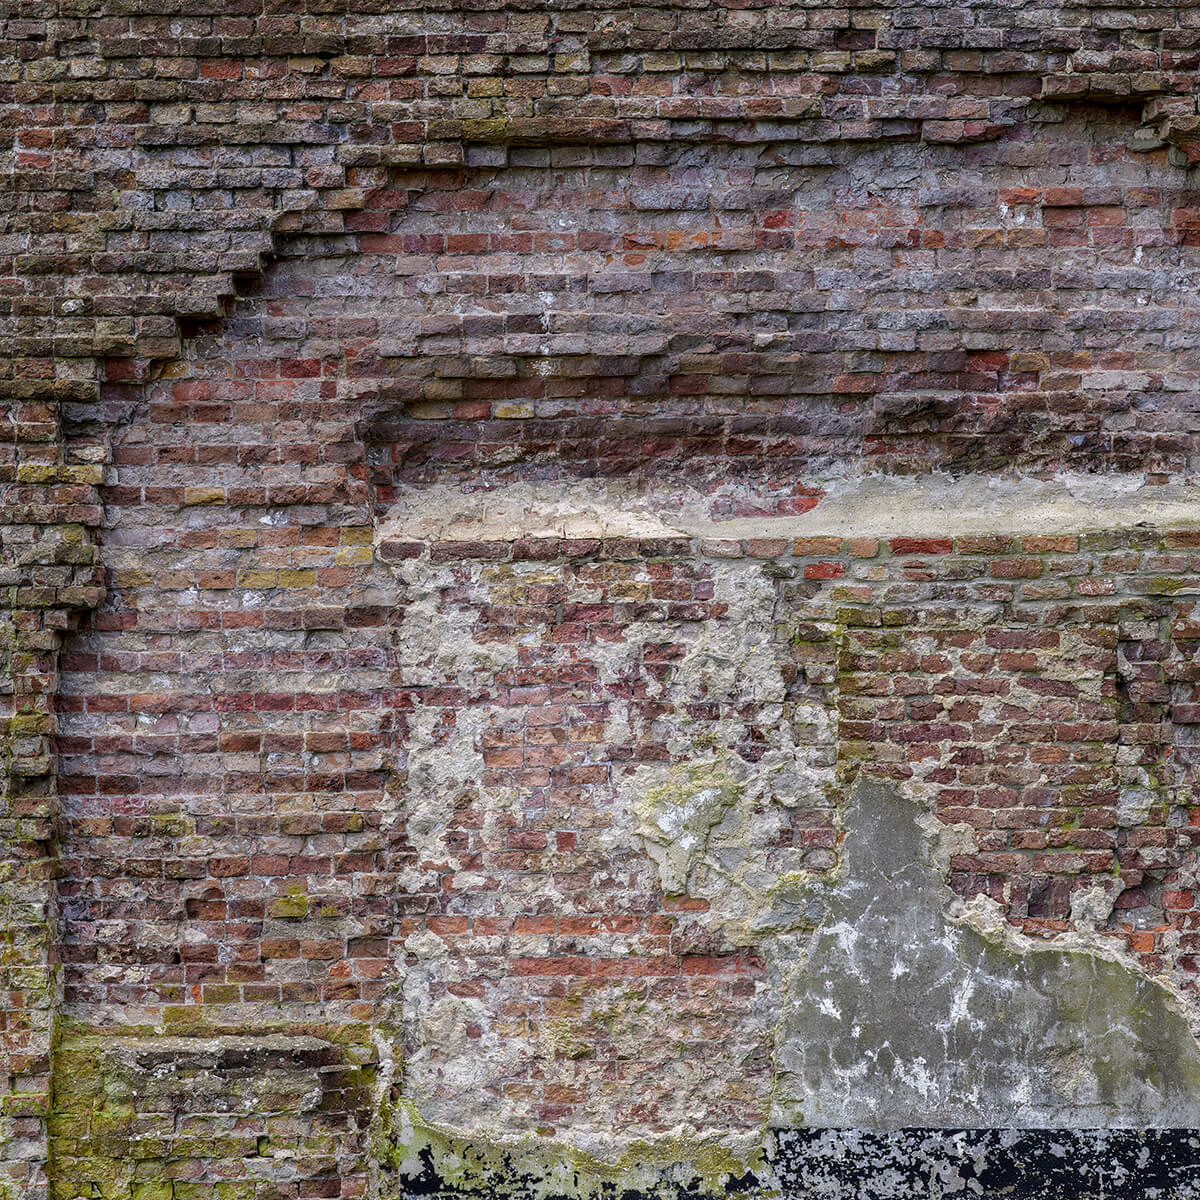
column 341, row 807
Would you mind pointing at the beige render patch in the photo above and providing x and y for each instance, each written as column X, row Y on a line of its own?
column 853, row 504
column 443, row 512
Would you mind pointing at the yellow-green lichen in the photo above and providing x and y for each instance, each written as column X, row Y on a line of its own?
column 539, row 1167
column 674, row 818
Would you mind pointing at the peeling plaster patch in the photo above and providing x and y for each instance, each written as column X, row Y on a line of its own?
column 942, row 1022
column 455, row 1050
column 674, row 819
column 712, row 824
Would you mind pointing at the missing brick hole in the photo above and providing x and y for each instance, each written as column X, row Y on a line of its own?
column 194, row 327
column 1139, row 905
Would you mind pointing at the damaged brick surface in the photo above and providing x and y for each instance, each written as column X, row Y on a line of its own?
column 486, row 488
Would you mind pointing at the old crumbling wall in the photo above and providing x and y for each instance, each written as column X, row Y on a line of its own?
column 599, row 599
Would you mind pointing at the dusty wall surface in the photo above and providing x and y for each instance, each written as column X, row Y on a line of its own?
column 600, row 601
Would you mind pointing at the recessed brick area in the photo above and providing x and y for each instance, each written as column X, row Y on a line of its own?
column 599, row 601
column 750, row 322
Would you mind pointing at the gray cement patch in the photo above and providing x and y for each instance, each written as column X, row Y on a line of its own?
column 901, row 1015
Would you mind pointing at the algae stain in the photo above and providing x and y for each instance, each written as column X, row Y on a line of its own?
column 420, row 1157
column 674, row 819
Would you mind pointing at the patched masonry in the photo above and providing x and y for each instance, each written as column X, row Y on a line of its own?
column 807, row 813
column 599, row 602
column 671, row 839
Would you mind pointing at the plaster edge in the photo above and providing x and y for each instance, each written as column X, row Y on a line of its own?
column 863, row 506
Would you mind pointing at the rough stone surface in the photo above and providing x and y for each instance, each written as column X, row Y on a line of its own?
column 505, row 511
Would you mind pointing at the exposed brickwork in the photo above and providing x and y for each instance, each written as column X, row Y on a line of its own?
column 731, row 255
column 1031, row 682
